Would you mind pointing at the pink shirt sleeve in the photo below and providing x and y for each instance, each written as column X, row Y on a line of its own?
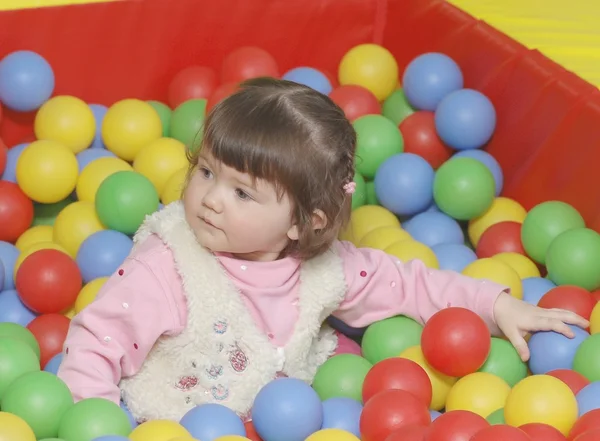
column 112, row 336
column 380, row 286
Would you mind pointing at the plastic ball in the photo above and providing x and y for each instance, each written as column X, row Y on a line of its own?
column 12, row 156
column 95, row 173
column 251, row 431
column 489, row 161
column 542, row 432
column 479, row 392
column 98, row 110
column 174, row 186
column 88, row 293
column 343, row 414
column 595, row 318
column 421, row 138
column 191, row 83
column 16, row 211
column 503, row 237
column 18, row 332
column 45, row 214
column 359, row 197
column 26, row 81
column 91, row 418
column 433, row 228
column 47, row 171
column 496, row 417
column 429, row 78
column 341, row 376
column 87, row 156
column 456, row 425
column 67, row 120
column 12, row 308
column 500, row 432
column 404, row 184
column 310, row 77
column 504, row 362
column 407, row 250
column 588, row 422
column 3, row 157
column 355, row 101
column 390, row 337
column 367, row 218
column 587, row 358
column 453, row 256
column 17, row 359
column 220, row 93
column 573, row 258
column 498, row 272
column 396, row 107
column 50, row 330
column 158, row 430
column 187, row 122
column 463, row 188
column 377, row 140
column 502, row 210
column 541, row 399
column 523, row 265
column 571, row 298
column 287, row 409
column 159, row 160
column 124, row 199
column 534, row 289
column 101, row 254
column 36, row 234
column 544, row 223
column 164, row 113
column 13, row 428
column 211, row 421
column 382, row 237
column 128, row 126
column 371, row 66
column 53, row 364
column 34, row 248
column 74, row 224
column 588, row 398
column 573, row 379
column 248, row 62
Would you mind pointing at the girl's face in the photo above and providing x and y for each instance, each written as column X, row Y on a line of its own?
column 230, row 212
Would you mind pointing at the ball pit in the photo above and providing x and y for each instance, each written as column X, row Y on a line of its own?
column 131, row 149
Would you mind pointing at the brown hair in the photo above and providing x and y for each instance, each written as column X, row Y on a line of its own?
column 295, row 138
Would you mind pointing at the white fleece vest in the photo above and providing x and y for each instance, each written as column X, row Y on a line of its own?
column 221, row 356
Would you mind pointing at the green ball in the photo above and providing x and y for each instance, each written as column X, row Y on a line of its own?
column 187, row 122
column 573, row 258
column 40, row 399
column 496, row 418
column 359, row 198
column 390, row 337
column 504, row 362
column 544, row 223
column 164, row 113
column 124, row 199
column 463, row 188
column 396, row 107
column 92, row 418
column 14, row 330
column 371, row 195
column 16, row 359
column 45, row 214
column 342, row 375
column 587, row 358
column 378, row 138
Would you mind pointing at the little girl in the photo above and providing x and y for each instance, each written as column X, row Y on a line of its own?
column 230, row 287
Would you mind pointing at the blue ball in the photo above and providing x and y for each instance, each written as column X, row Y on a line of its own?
column 26, row 81
column 54, row 363
column 551, row 350
column 342, row 413
column 588, row 398
column 465, row 119
column 534, row 289
column 489, row 161
column 404, row 184
column 431, row 228
column 2, row 275
column 454, row 256
column 429, row 78
column 210, row 421
column 101, row 254
column 8, row 255
column 99, row 112
column 13, row 310
column 86, row 156
column 10, row 170
column 434, row 414
column 309, row 77
column 132, row 420
column 286, row 409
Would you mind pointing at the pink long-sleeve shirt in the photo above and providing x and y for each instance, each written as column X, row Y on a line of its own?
column 144, row 300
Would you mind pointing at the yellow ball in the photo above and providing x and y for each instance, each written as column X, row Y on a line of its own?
column 541, row 399
column 523, row 265
column 36, row 247
column 88, row 293
column 14, row 428
column 39, row 233
column 371, row 66
column 159, row 160
column 595, row 319
column 158, row 430
column 128, row 126
column 74, row 224
column 440, row 383
column 496, row 271
column 332, row 435
column 502, row 210
column 480, row 392
column 95, row 173
column 365, row 219
column 407, row 250
column 47, row 171
column 68, row 120
column 69, row 313
column 174, row 187
column 383, row 237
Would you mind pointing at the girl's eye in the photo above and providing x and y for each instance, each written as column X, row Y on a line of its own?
column 206, row 172
column 242, row 194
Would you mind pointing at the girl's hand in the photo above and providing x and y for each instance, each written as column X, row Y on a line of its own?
column 516, row 319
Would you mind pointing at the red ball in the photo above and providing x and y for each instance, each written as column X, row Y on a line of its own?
column 421, row 138
column 571, row 378
column 397, row 373
column 219, row 94
column 16, row 211
column 389, row 411
column 456, row 341
column 50, row 331
column 332, row 78
column 542, row 432
column 195, row 82
column 409, row 433
column 503, row 237
column 3, row 156
column 596, row 295
column 569, row 297
column 355, row 101
column 588, row 421
column 48, row 281
column 456, row 425
column 501, row 432
column 248, row 62
column 251, row 432
column 592, row 435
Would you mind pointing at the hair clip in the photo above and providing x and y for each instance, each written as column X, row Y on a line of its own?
column 350, row 187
